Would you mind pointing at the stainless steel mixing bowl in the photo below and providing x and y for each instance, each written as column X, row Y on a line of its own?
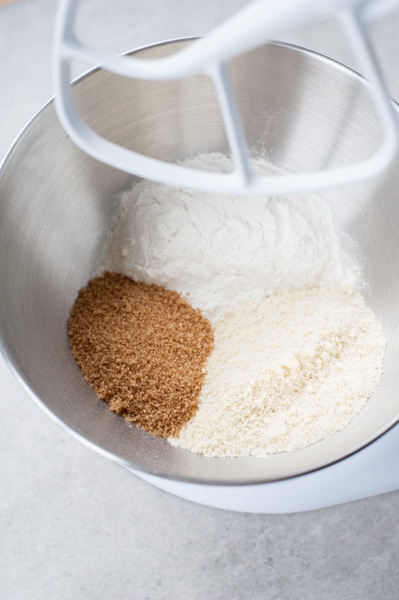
column 300, row 110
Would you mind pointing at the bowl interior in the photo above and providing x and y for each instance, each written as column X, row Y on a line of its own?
column 301, row 111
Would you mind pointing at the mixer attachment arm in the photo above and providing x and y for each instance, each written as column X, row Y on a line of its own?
column 256, row 24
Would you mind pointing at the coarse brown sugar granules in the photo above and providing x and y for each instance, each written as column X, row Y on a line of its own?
column 143, row 349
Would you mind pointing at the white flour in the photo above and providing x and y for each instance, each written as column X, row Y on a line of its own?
column 222, row 250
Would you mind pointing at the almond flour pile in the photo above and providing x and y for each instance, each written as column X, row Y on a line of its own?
column 286, row 372
column 227, row 325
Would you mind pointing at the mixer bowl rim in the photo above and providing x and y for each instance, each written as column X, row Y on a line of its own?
column 120, row 460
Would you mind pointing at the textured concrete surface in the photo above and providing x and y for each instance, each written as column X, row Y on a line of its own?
column 73, row 525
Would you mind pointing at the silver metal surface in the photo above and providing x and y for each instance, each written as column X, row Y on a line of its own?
column 301, row 111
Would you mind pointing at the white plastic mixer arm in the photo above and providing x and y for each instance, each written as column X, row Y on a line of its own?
column 247, row 29
column 252, row 26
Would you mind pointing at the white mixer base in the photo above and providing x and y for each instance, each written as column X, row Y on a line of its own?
column 372, row 471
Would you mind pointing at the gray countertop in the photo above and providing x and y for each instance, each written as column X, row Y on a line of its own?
column 74, row 525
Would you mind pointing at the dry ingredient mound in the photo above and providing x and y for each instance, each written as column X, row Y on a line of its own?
column 143, row 350
column 294, row 353
column 219, row 250
column 286, row 372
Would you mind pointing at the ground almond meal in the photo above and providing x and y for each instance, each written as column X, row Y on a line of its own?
column 143, row 350
column 286, row 372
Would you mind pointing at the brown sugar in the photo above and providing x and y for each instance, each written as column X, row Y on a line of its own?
column 143, row 349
